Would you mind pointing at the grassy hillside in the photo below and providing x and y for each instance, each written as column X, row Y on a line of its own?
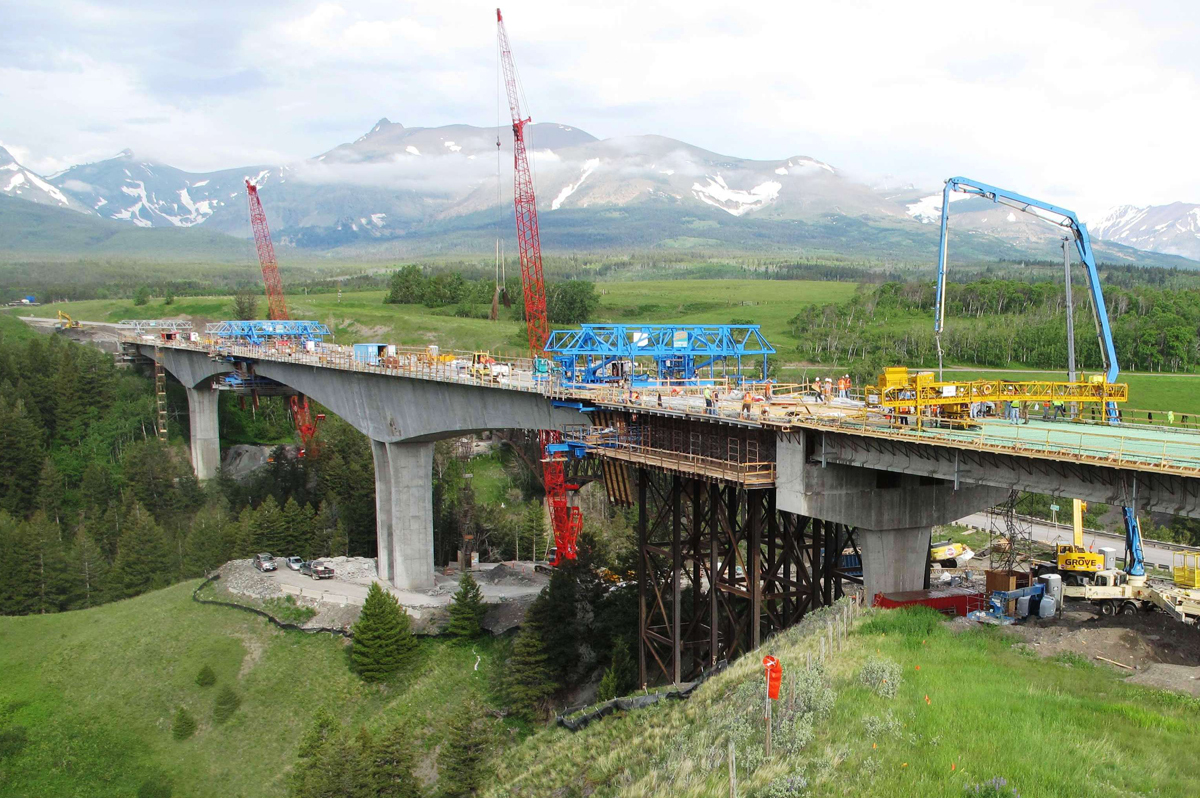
column 968, row 708
column 95, row 692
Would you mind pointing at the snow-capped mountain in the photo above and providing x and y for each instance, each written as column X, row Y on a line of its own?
column 17, row 181
column 1171, row 229
column 395, row 178
column 418, row 190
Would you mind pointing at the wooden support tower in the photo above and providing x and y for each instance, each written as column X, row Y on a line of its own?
column 721, row 569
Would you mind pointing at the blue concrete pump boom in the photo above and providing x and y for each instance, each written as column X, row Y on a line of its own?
column 1134, row 563
column 1061, row 217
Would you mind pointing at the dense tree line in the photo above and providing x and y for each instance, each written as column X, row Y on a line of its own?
column 1001, row 323
column 94, row 508
column 567, row 302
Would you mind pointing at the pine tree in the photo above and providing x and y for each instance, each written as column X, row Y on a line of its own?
column 211, row 541
column 383, row 641
column 226, row 704
column 70, row 409
column 184, row 725
column 324, row 530
column 527, row 681
column 90, row 571
column 49, row 572
column 143, row 560
column 21, row 456
column 206, row 677
column 467, row 609
column 270, row 534
column 533, row 529
column 620, row 676
column 297, row 528
column 462, row 755
column 50, row 492
column 244, row 535
column 392, row 765
column 340, row 545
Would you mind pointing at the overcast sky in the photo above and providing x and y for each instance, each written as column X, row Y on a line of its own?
column 1088, row 105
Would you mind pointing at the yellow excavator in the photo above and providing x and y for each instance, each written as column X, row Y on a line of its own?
column 65, row 322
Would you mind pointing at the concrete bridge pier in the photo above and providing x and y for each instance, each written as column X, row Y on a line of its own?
column 894, row 559
column 893, row 513
column 404, row 513
column 206, row 438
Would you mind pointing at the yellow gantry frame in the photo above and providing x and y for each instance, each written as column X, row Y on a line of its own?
column 926, row 392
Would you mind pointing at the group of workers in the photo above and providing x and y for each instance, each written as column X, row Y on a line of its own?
column 824, row 389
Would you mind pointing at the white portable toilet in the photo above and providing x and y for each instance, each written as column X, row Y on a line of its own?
column 1054, row 590
column 1110, row 557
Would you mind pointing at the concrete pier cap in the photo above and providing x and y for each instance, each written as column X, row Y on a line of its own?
column 894, row 513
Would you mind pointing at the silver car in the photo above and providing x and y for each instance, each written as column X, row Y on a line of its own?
column 294, row 563
column 265, row 562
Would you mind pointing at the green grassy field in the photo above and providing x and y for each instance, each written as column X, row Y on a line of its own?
column 361, row 316
column 969, row 708
column 95, row 691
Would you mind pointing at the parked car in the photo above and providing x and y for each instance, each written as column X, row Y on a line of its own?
column 294, row 563
column 317, row 570
column 265, row 562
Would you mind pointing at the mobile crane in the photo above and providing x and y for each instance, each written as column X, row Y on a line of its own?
column 303, row 418
column 1135, row 565
column 566, row 519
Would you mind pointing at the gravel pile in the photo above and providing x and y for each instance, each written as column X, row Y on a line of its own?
column 503, row 575
column 240, row 576
column 352, row 569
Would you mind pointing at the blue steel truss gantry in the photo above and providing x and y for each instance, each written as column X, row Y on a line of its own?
column 259, row 331
column 602, row 353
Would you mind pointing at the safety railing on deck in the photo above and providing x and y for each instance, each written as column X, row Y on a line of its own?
column 1176, row 449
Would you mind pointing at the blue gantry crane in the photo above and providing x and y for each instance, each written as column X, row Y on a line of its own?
column 598, row 354
column 1077, row 231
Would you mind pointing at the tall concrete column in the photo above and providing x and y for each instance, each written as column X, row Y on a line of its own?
column 404, row 513
column 893, row 559
column 206, row 438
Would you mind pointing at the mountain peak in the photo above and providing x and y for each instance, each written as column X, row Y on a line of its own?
column 6, row 157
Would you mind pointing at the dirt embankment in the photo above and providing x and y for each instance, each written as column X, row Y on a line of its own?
column 1157, row 650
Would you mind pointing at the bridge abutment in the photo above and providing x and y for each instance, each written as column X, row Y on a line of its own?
column 404, row 513
column 204, row 423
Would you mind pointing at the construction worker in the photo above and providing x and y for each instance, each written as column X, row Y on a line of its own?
column 1060, row 409
column 829, row 388
column 708, row 400
column 747, row 402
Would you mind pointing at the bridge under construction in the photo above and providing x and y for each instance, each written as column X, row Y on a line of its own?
column 742, row 515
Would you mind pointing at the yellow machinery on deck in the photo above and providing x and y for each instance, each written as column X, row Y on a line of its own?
column 902, row 391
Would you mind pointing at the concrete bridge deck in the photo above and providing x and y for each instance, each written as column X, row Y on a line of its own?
column 1137, row 446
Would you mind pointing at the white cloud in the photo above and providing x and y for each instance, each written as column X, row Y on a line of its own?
column 1089, row 105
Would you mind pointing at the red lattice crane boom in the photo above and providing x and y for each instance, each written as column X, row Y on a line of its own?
column 276, row 306
column 302, row 417
column 567, row 520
